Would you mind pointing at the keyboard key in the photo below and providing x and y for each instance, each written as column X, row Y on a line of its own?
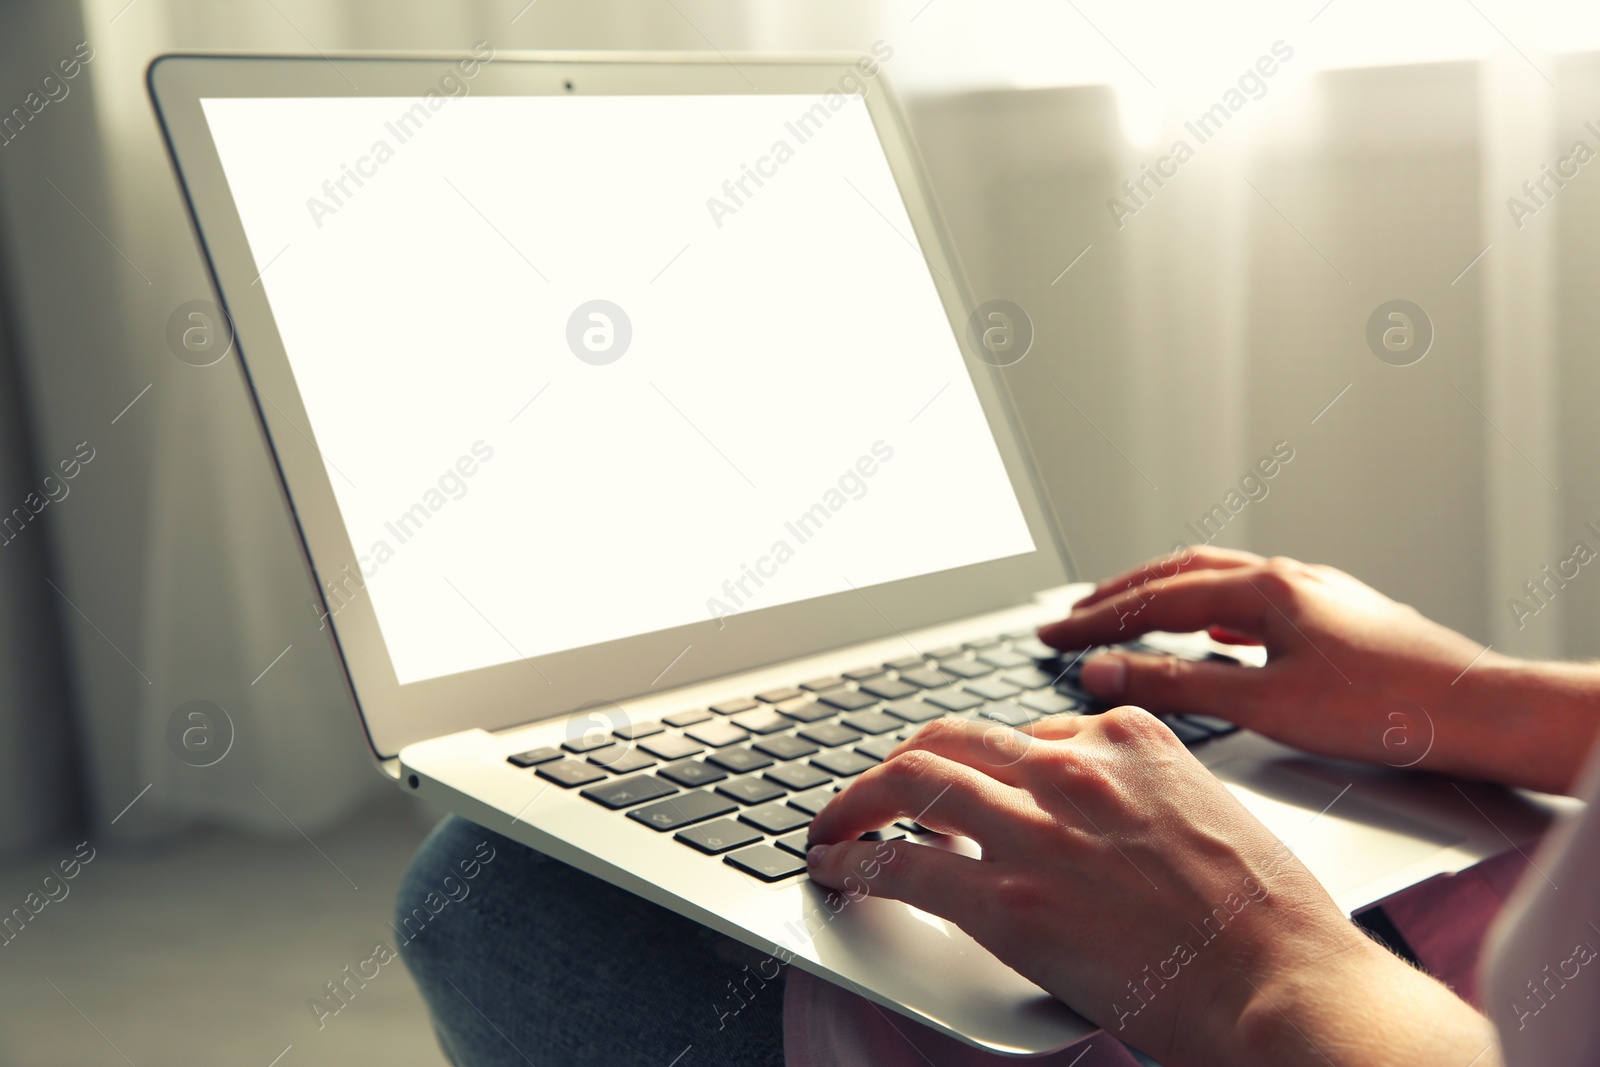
column 752, row 790
column 848, row 699
column 739, row 760
column 766, row 863
column 587, row 742
column 1073, row 663
column 799, row 841
column 534, row 756
column 888, row 688
column 718, row 734
column 693, row 773
column 1072, row 692
column 763, row 721
column 778, row 696
column 569, row 773
column 1029, row 678
column 733, row 707
column 1034, row 648
column 927, row 678
column 1049, row 702
column 682, row 810
column 981, row 643
column 830, row 734
column 843, row 762
column 872, row 722
column 806, row 710
column 795, row 843
column 1208, row 722
column 1067, row 672
column 786, row 747
column 879, row 747
column 714, row 838
column 671, row 746
column 1004, row 658
column 993, row 689
column 955, row 699
column 812, row 800
column 686, row 718
column 1187, row 732
column 626, row 792
column 818, row 685
column 890, row 834
column 798, row 776
column 719, row 837
column 1006, row 712
column 1021, row 635
column 1194, row 655
column 775, row 818
column 619, row 760
column 906, row 663
column 966, row 668
column 861, row 674
column 913, row 710
column 632, row 731
column 943, row 652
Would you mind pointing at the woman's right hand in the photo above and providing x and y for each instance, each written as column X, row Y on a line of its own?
column 1349, row 673
column 1128, row 882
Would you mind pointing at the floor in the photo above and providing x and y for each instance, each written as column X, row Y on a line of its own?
column 209, row 951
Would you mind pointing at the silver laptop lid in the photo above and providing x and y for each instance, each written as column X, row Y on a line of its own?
column 579, row 367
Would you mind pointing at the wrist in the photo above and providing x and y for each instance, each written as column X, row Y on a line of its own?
column 1363, row 1006
column 1296, row 947
column 1524, row 723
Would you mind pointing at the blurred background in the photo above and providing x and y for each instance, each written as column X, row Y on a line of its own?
column 1185, row 329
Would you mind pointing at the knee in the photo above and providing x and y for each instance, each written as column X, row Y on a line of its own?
column 451, row 866
column 450, row 924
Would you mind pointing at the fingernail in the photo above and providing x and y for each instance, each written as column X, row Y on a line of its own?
column 1104, row 675
column 816, row 854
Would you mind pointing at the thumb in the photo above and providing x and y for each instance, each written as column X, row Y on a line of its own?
column 1169, row 684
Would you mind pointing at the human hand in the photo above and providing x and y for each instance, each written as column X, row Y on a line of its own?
column 1349, row 673
column 1124, row 879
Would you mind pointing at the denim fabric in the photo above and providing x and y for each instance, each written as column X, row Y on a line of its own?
column 525, row 960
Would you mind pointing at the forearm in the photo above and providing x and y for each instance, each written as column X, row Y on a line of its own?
column 1522, row 723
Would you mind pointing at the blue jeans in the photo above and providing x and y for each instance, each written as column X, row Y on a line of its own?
column 524, row 960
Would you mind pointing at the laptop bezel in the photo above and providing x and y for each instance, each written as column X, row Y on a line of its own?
column 526, row 690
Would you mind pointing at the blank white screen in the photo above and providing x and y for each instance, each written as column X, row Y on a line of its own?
column 773, row 346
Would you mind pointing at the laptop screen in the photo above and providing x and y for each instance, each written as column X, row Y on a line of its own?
column 584, row 368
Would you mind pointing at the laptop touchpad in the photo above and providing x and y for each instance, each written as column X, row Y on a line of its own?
column 1351, row 842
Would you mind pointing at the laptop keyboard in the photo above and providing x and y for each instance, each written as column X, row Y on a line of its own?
column 741, row 780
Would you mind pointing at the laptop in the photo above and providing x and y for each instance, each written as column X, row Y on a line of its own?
column 656, row 474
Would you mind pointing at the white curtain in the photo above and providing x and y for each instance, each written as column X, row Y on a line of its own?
column 1174, row 351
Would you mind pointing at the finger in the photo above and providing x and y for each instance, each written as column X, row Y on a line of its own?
column 939, row 793
column 1170, row 684
column 990, row 747
column 1056, row 727
column 944, row 883
column 1191, row 601
column 1187, row 559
